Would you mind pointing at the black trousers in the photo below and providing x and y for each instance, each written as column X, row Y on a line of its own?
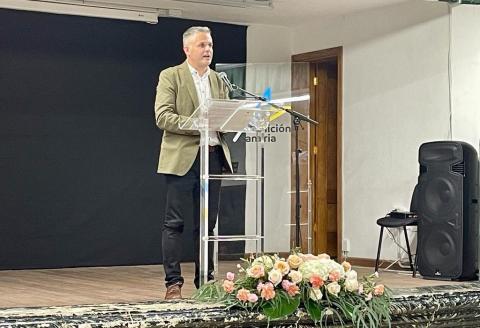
column 183, row 193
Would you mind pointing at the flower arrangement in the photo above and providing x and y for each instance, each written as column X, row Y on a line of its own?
column 326, row 290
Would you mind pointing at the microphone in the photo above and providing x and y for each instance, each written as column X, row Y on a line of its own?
column 230, row 88
column 227, row 82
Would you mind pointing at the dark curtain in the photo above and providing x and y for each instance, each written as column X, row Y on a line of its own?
column 79, row 146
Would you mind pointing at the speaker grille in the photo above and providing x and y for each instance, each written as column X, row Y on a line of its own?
column 440, row 196
column 459, row 168
column 440, row 252
column 449, row 222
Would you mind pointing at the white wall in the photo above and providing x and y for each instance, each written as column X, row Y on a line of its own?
column 466, row 73
column 395, row 97
column 268, row 56
column 269, row 44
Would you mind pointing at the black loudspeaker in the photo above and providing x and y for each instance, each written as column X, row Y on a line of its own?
column 447, row 206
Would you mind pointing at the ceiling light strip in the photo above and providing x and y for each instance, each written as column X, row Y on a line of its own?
column 234, row 3
column 81, row 10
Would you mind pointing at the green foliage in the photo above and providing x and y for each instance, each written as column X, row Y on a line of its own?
column 329, row 292
column 314, row 309
column 210, row 292
column 281, row 306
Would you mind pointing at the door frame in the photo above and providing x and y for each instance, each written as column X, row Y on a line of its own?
column 319, row 56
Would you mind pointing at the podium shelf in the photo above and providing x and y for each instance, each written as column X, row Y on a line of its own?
column 232, row 238
column 234, row 177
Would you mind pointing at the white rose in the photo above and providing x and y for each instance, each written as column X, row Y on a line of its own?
column 346, row 266
column 275, row 277
column 282, row 266
column 294, row 261
column 264, row 260
column 352, row 274
column 333, row 288
column 323, row 256
column 307, row 257
column 316, row 294
column 351, row 285
column 295, row 276
column 314, row 267
column 256, row 271
column 334, row 266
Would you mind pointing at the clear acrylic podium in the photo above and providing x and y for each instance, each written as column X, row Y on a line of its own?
column 223, row 115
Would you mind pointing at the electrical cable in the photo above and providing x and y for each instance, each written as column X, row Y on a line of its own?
column 399, row 245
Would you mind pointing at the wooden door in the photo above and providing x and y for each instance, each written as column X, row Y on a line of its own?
column 324, row 71
column 324, row 160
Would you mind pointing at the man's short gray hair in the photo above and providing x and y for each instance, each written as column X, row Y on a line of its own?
column 192, row 31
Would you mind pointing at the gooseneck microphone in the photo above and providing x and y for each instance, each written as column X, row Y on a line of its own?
column 230, row 88
column 227, row 82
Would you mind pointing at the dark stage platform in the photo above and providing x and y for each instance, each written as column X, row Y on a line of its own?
column 449, row 305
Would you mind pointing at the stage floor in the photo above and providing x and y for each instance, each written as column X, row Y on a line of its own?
column 128, row 284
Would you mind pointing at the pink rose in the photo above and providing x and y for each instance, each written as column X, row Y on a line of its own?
column 268, row 291
column 316, row 281
column 230, row 276
column 378, row 290
column 228, row 286
column 334, row 275
column 252, row 298
column 293, row 290
column 242, row 294
column 260, row 286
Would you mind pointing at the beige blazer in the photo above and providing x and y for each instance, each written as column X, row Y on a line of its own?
column 176, row 100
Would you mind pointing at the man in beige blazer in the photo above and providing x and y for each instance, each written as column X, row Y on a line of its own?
column 181, row 89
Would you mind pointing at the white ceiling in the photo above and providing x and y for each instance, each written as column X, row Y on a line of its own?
column 284, row 12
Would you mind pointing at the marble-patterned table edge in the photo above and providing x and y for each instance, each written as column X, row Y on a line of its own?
column 446, row 288
column 171, row 313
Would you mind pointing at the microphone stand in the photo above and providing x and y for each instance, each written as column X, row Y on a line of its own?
column 297, row 118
